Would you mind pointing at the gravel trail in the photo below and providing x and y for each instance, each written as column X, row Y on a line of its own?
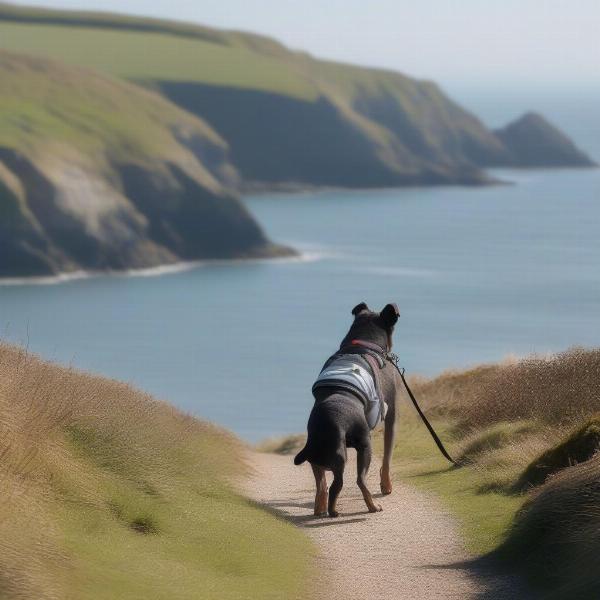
column 411, row 550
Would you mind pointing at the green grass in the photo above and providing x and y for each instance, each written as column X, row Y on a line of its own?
column 483, row 514
column 44, row 102
column 144, row 56
column 116, row 495
column 147, row 50
column 202, row 541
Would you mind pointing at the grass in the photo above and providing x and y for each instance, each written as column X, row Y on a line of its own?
column 527, row 433
column 112, row 494
column 289, row 444
column 143, row 56
column 559, row 390
column 576, row 447
column 45, row 103
column 484, row 513
column 554, row 538
column 146, row 56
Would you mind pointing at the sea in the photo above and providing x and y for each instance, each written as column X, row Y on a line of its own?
column 479, row 275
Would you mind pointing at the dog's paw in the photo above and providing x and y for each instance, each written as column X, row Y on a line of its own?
column 321, row 513
column 386, row 488
column 385, row 482
column 334, row 513
column 376, row 508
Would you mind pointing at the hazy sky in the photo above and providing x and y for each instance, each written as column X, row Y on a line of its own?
column 464, row 42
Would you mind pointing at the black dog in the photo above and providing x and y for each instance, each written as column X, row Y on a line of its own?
column 338, row 419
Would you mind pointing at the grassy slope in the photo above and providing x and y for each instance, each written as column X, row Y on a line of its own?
column 116, row 495
column 527, row 436
column 410, row 126
column 43, row 102
column 149, row 56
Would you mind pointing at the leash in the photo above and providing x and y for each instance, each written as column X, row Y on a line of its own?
column 393, row 358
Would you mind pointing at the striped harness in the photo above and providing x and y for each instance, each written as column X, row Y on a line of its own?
column 356, row 369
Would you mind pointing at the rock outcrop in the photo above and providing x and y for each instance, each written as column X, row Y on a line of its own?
column 534, row 142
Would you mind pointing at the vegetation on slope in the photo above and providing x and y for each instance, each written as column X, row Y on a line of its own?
column 96, row 173
column 287, row 117
column 527, row 432
column 109, row 493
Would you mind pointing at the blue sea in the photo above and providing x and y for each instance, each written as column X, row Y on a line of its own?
column 478, row 274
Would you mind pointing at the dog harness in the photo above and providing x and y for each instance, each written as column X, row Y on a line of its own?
column 358, row 374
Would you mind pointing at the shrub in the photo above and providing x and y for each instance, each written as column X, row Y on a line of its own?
column 579, row 446
column 555, row 537
column 559, row 390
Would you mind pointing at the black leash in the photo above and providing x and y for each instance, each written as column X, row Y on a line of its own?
column 394, row 360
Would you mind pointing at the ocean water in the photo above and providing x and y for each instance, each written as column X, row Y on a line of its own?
column 478, row 274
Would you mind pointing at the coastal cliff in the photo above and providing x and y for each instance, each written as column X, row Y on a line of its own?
column 97, row 174
column 289, row 119
column 128, row 149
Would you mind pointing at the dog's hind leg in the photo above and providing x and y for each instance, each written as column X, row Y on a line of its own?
column 336, row 486
column 321, row 496
column 363, row 460
column 388, row 449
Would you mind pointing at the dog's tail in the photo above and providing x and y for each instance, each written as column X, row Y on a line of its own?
column 301, row 456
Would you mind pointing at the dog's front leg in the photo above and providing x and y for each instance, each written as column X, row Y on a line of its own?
column 363, row 460
column 389, row 435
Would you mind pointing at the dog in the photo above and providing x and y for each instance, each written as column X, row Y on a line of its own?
column 339, row 417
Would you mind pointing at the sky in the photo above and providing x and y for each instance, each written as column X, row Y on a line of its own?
column 458, row 43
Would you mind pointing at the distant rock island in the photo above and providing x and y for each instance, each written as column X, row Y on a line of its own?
column 128, row 148
column 533, row 142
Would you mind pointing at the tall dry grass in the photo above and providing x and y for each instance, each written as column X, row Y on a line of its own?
column 558, row 390
column 62, row 434
column 532, row 426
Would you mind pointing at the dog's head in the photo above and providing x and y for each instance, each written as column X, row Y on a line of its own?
column 375, row 327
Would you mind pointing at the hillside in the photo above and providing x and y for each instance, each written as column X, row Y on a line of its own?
column 527, row 434
column 287, row 117
column 109, row 493
column 96, row 174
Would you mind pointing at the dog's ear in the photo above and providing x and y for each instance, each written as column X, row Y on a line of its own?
column 359, row 308
column 389, row 315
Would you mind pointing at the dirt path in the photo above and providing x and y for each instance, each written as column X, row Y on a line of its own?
column 411, row 550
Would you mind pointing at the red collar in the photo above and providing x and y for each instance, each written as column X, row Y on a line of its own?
column 369, row 345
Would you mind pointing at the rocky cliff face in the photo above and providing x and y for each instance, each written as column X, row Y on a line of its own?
column 65, row 215
column 117, row 179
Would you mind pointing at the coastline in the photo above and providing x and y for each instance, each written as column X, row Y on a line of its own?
column 501, row 176
column 247, row 189
column 159, row 270
column 495, row 175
